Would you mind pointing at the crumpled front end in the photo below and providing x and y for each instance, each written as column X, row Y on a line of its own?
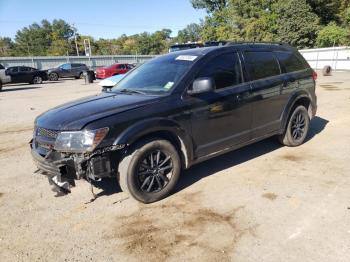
column 62, row 169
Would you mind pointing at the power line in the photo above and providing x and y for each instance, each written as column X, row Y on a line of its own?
column 102, row 25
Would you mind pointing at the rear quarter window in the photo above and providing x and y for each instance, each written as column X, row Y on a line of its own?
column 261, row 64
column 291, row 62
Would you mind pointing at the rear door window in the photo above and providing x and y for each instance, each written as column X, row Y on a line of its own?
column 261, row 64
column 224, row 68
column 290, row 61
column 24, row 69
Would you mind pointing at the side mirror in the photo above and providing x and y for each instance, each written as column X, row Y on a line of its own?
column 202, row 85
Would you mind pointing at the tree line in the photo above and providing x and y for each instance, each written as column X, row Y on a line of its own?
column 302, row 23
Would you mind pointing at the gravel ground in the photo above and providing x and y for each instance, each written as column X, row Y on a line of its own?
column 260, row 203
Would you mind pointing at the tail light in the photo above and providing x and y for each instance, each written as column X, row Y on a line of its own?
column 314, row 75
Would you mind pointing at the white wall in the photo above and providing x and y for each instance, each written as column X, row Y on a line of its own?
column 337, row 57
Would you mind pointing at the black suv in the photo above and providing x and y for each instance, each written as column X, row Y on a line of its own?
column 67, row 70
column 175, row 111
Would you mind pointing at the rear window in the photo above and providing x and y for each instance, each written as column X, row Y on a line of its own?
column 261, row 64
column 1, row 66
column 290, row 61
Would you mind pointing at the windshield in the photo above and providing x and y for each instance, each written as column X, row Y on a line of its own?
column 155, row 77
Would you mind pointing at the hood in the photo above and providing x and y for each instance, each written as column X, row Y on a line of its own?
column 77, row 114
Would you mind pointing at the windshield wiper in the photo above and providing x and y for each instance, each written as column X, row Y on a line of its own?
column 131, row 91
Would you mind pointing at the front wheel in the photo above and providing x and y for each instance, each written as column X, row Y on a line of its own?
column 297, row 127
column 53, row 76
column 150, row 171
column 37, row 80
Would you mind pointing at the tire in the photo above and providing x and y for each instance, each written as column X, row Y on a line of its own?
column 0, row 86
column 53, row 76
column 37, row 80
column 136, row 173
column 81, row 76
column 297, row 127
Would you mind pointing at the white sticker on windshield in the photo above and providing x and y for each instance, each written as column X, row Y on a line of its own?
column 186, row 57
column 169, row 85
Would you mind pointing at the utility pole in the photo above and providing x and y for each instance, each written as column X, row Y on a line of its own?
column 75, row 39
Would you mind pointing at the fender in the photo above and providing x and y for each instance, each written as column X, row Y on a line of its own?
column 153, row 125
column 292, row 100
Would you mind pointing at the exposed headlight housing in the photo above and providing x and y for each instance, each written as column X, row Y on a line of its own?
column 80, row 141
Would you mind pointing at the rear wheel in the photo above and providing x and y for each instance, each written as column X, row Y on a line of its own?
column 150, row 171
column 297, row 127
column 53, row 76
column 80, row 76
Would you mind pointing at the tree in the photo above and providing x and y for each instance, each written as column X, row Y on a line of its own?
column 255, row 20
column 326, row 10
column 6, row 46
column 36, row 39
column 331, row 35
column 297, row 24
column 191, row 33
column 210, row 5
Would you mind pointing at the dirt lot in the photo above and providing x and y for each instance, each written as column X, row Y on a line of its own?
column 261, row 203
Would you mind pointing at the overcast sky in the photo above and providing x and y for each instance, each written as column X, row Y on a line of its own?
column 103, row 18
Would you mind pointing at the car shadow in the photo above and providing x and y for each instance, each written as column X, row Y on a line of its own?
column 317, row 125
column 28, row 87
column 239, row 156
column 188, row 177
column 109, row 186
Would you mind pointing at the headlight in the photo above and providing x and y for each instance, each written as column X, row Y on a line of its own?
column 80, row 141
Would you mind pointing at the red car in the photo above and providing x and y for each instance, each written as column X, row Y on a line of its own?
column 115, row 69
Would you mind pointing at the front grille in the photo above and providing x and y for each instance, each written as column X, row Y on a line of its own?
column 46, row 133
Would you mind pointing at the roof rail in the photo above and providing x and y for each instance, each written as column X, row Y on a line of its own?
column 255, row 43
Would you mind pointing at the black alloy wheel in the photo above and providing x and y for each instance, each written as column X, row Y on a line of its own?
column 149, row 170
column 298, row 126
column 154, row 171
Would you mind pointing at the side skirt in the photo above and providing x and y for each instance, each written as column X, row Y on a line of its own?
column 232, row 148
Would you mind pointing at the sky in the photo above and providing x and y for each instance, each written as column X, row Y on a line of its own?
column 100, row 18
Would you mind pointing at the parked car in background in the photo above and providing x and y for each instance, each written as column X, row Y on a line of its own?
column 115, row 69
column 175, row 111
column 4, row 79
column 26, row 74
column 67, row 70
column 110, row 81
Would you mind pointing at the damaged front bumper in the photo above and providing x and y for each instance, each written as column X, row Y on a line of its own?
column 57, row 171
column 63, row 169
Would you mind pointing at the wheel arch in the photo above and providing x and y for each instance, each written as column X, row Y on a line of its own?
column 159, row 128
column 301, row 98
